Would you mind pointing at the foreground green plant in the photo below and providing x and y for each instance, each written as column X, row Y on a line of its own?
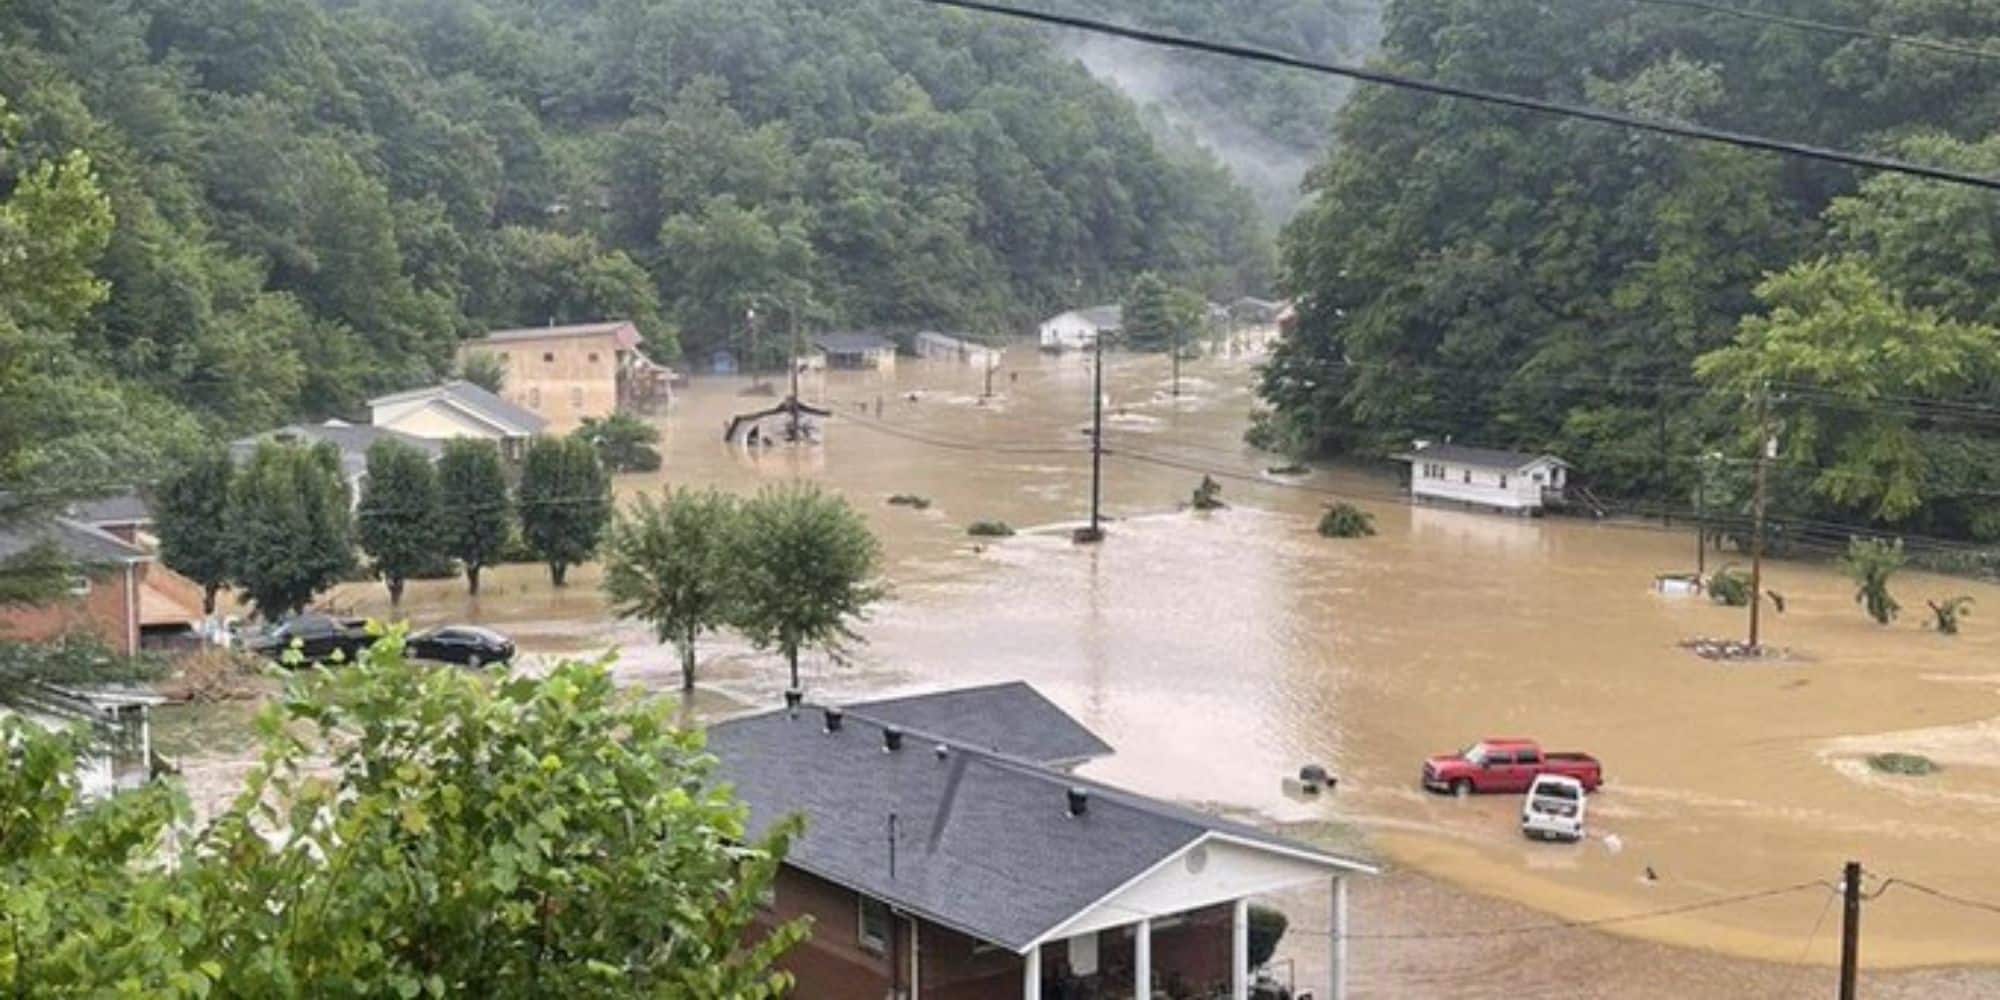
column 409, row 831
column 1949, row 611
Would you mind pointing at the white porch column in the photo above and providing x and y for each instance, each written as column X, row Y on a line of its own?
column 1239, row 952
column 1031, row 975
column 1336, row 975
column 1142, row 960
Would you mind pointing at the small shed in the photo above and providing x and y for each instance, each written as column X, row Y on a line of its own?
column 866, row 351
column 1079, row 328
column 1512, row 482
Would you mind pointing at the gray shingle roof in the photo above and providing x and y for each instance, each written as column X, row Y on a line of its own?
column 556, row 332
column 478, row 401
column 78, row 542
column 1010, row 718
column 1479, row 458
column 985, row 842
column 1104, row 317
column 123, row 508
column 353, row 440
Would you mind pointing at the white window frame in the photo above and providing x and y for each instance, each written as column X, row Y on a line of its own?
column 878, row 944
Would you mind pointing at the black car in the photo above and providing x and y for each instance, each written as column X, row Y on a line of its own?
column 467, row 644
column 319, row 637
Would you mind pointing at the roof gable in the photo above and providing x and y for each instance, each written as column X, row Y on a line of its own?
column 1478, row 458
column 506, row 417
column 623, row 332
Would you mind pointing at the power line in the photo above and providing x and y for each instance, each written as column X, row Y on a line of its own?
column 1681, row 130
column 1826, row 28
column 1575, row 925
column 1975, row 904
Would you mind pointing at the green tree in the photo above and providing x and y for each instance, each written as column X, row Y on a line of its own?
column 624, row 442
column 523, row 838
column 807, row 564
column 1159, row 317
column 191, row 517
column 1870, row 562
column 399, row 514
column 485, row 370
column 474, row 511
column 564, row 502
column 290, row 526
column 1845, row 343
column 673, row 564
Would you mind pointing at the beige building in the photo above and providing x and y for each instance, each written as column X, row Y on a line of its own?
column 567, row 373
column 458, row 410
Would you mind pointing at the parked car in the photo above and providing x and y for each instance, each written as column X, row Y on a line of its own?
column 1554, row 808
column 467, row 644
column 318, row 637
column 1506, row 765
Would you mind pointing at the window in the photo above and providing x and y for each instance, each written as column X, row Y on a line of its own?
column 593, row 357
column 1468, row 477
column 1529, row 757
column 548, row 357
column 1503, row 480
column 1083, row 954
column 576, row 397
column 1499, row 759
column 874, row 924
column 534, row 397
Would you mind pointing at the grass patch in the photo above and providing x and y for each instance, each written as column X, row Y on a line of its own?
column 1903, row 763
column 990, row 529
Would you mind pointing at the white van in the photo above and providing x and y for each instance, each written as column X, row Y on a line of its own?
column 1553, row 808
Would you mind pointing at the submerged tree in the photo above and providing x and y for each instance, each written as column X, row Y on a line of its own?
column 624, row 442
column 399, row 514
column 1345, row 520
column 1207, row 495
column 1871, row 562
column 1949, row 611
column 564, row 502
column 807, row 563
column 673, row 564
column 474, row 514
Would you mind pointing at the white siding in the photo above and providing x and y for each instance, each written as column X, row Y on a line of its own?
column 1070, row 331
column 1517, row 490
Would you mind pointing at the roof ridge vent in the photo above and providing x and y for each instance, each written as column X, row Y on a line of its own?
column 834, row 716
column 892, row 739
column 1079, row 800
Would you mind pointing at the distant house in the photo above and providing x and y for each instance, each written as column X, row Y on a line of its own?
column 125, row 515
column 121, row 717
column 868, row 351
column 169, row 603
column 943, row 347
column 458, row 409
column 106, row 597
column 949, row 853
column 1485, row 478
column 353, row 440
column 1080, row 328
column 1256, row 312
column 568, row 373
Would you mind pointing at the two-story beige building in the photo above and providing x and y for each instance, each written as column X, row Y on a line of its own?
column 567, row 373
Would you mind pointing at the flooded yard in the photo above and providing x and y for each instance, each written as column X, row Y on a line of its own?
column 1220, row 651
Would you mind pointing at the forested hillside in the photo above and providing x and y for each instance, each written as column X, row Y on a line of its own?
column 1517, row 279
column 313, row 201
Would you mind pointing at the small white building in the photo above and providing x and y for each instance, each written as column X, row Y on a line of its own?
column 935, row 346
column 1079, row 328
column 1485, row 478
column 120, row 719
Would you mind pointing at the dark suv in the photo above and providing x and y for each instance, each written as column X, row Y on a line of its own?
column 319, row 637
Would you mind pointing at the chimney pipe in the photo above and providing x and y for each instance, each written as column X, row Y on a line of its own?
column 942, row 751
column 1079, row 800
column 892, row 739
column 793, row 696
column 833, row 717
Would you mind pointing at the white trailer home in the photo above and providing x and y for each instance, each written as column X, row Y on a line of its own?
column 1079, row 329
column 1509, row 482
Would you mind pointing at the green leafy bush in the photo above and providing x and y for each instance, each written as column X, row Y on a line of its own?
column 1912, row 764
column 990, row 529
column 1345, row 520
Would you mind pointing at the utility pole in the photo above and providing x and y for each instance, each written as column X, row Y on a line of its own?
column 1765, row 445
column 1701, row 525
column 991, row 363
column 1095, row 532
column 793, row 363
column 1850, row 929
column 1177, row 361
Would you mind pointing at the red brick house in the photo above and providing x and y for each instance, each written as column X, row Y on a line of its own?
column 949, row 855
column 106, row 596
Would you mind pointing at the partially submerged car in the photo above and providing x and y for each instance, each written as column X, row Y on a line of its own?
column 318, row 638
column 1554, row 808
column 1506, row 764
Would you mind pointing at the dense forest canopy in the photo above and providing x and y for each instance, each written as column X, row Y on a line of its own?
column 1509, row 278
column 310, row 202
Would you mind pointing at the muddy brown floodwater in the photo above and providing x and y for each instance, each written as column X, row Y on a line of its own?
column 1220, row 651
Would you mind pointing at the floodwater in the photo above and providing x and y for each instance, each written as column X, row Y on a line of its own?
column 1220, row 651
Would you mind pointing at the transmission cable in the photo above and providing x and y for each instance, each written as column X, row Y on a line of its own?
column 1826, row 28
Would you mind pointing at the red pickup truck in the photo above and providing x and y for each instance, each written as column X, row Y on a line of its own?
column 1506, row 765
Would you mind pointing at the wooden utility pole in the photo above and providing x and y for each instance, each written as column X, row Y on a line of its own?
column 1765, row 445
column 1177, row 361
column 1095, row 532
column 1701, row 526
column 990, row 365
column 793, row 363
column 1850, row 930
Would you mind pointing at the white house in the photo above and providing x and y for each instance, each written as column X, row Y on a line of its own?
column 353, row 440
column 1486, row 478
column 1080, row 328
column 942, row 347
column 458, row 409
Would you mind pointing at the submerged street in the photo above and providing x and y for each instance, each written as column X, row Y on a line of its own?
column 1218, row 652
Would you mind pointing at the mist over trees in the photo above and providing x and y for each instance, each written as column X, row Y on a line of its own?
column 1517, row 279
column 310, row 201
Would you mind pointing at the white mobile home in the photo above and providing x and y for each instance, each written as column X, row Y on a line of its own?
column 1079, row 328
column 1485, row 478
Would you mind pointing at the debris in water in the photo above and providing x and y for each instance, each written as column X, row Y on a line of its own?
column 989, row 529
column 1614, row 843
column 910, row 500
column 1651, row 875
column 1912, row 764
column 1729, row 650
